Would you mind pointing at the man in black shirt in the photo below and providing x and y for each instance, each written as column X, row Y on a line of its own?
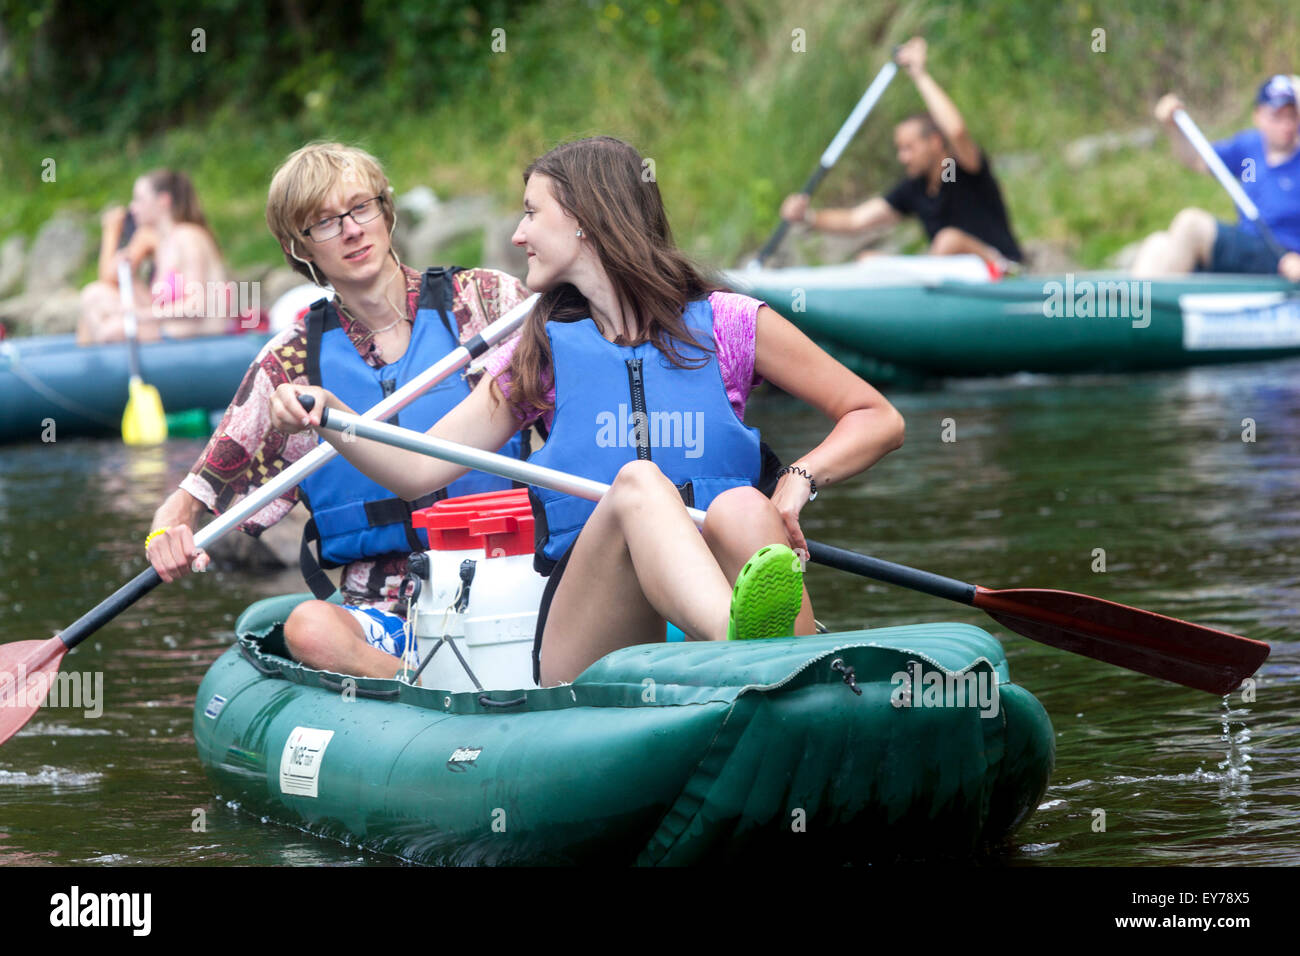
column 949, row 185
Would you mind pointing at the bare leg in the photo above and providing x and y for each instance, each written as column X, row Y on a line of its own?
column 624, row 578
column 1150, row 255
column 950, row 241
column 101, row 315
column 738, row 523
column 1188, row 244
column 328, row 638
column 102, row 319
column 641, row 560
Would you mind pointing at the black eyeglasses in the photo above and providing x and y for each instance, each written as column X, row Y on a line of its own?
column 331, row 226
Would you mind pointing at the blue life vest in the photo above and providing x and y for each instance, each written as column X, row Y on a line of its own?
column 354, row 517
column 617, row 403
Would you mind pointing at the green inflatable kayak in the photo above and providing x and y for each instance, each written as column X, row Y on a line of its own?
column 903, row 328
column 904, row 742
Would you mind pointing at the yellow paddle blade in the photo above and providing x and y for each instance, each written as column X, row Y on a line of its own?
column 144, row 422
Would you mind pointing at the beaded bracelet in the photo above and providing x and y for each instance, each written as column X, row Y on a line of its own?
column 154, row 534
column 794, row 469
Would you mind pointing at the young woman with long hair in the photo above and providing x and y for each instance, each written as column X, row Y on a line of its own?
column 639, row 367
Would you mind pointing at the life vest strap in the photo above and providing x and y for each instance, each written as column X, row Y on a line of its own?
column 378, row 513
column 317, row 580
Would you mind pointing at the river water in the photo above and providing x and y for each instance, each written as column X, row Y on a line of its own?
column 1046, row 480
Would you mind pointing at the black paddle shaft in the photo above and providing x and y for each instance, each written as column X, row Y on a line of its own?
column 926, row 582
column 110, row 607
column 1270, row 240
column 783, row 227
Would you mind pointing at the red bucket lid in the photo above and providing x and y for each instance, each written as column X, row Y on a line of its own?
column 499, row 522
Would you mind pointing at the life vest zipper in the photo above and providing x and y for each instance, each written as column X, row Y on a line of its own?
column 641, row 421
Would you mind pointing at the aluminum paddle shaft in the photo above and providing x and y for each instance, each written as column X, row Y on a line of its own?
column 1228, row 181
column 832, row 153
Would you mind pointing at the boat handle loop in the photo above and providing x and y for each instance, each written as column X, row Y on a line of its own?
column 849, row 677
column 369, row 692
column 487, row 701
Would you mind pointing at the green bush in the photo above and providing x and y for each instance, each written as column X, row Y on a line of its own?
column 713, row 91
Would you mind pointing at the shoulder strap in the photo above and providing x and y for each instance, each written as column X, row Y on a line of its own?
column 320, row 319
column 438, row 291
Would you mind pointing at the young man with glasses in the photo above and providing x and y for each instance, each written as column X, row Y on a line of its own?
column 330, row 209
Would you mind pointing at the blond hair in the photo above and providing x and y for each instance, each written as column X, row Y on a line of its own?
column 304, row 183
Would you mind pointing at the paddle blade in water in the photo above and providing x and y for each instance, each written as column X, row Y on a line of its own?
column 144, row 422
column 1142, row 641
column 27, row 670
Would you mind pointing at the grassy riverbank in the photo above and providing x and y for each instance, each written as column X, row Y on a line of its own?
column 733, row 116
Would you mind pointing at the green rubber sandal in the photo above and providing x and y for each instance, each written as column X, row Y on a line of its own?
column 767, row 596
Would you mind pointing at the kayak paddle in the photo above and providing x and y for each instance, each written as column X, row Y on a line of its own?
column 1164, row 647
column 1226, row 179
column 832, row 154
column 27, row 666
column 1189, row 654
column 143, row 422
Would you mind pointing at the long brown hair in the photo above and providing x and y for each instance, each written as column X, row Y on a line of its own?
column 185, row 201
column 604, row 184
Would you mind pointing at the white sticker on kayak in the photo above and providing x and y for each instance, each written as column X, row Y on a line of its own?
column 214, row 706
column 1240, row 321
column 300, row 762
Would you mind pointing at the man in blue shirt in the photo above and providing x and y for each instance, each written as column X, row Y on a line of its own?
column 1267, row 159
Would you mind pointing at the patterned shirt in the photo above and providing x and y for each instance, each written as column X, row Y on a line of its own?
column 245, row 451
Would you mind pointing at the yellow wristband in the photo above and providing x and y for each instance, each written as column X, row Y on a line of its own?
column 153, row 534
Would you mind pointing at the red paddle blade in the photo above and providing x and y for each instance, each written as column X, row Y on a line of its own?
column 1142, row 641
column 27, row 670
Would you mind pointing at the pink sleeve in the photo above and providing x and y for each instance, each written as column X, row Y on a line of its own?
column 498, row 366
column 735, row 319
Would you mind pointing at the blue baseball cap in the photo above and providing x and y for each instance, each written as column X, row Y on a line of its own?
column 1277, row 91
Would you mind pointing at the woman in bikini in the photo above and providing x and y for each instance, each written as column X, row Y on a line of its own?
column 187, row 293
